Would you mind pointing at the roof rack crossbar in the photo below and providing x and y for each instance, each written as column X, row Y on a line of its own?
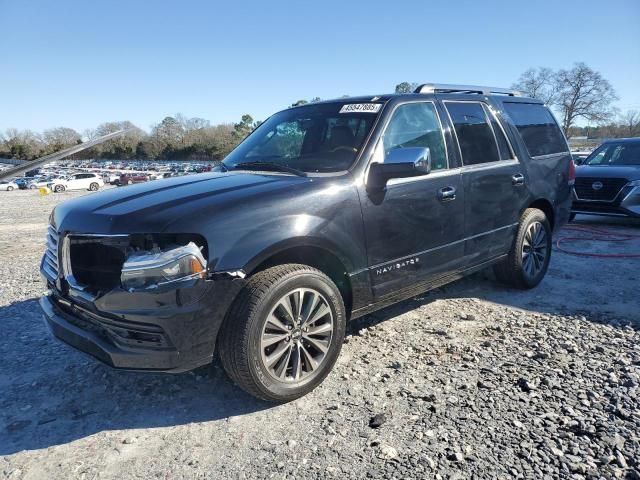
column 473, row 89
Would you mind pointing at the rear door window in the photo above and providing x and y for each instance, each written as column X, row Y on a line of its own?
column 538, row 128
column 474, row 133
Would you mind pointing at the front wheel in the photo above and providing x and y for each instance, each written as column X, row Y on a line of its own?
column 528, row 259
column 9, row 188
column 58, row 188
column 283, row 333
column 94, row 187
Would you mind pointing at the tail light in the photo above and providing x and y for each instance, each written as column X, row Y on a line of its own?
column 572, row 173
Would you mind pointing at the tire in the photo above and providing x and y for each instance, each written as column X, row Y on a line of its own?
column 58, row 188
column 522, row 270
column 9, row 189
column 302, row 367
column 94, row 187
column 32, row 187
column 572, row 217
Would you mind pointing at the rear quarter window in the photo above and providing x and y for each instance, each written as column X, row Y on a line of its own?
column 538, row 128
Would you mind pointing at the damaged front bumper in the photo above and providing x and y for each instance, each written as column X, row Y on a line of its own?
column 172, row 330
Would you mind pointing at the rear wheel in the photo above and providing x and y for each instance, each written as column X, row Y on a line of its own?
column 58, row 188
column 9, row 188
column 94, row 187
column 528, row 259
column 284, row 332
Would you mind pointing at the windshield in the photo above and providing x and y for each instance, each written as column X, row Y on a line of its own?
column 322, row 137
column 615, row 154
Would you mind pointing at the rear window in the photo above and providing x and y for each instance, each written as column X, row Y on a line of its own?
column 538, row 128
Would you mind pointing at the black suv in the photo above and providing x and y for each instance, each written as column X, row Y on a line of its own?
column 608, row 181
column 326, row 212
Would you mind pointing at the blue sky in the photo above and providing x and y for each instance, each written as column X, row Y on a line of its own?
column 81, row 63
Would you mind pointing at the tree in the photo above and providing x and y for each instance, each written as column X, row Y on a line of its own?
column 406, row 87
column 538, row 83
column 245, row 126
column 60, row 138
column 583, row 93
column 630, row 122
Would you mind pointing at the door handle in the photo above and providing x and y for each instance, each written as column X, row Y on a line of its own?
column 517, row 180
column 446, row 194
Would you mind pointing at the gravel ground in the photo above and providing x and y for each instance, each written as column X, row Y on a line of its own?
column 470, row 380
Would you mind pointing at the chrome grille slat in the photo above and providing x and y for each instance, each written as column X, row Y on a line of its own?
column 50, row 264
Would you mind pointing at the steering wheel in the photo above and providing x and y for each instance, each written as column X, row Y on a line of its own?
column 343, row 147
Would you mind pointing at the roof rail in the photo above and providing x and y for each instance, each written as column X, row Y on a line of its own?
column 475, row 89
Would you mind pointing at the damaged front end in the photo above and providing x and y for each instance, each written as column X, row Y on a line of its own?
column 138, row 301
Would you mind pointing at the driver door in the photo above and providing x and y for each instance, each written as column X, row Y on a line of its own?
column 414, row 226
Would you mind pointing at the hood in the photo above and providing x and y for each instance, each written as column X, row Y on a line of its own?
column 152, row 207
column 630, row 172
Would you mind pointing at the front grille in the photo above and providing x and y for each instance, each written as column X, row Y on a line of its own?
column 50, row 263
column 610, row 188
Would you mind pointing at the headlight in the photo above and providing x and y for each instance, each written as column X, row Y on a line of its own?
column 145, row 270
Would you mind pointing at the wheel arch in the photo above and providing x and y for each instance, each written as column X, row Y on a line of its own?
column 313, row 255
column 546, row 207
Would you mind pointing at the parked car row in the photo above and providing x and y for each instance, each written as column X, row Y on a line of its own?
column 93, row 175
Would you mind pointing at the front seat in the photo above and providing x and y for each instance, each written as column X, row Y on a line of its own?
column 341, row 136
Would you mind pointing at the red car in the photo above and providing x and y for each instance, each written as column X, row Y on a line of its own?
column 129, row 178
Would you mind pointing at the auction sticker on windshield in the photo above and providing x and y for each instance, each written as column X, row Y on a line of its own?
column 361, row 107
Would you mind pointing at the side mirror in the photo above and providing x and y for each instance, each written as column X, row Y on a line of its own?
column 400, row 163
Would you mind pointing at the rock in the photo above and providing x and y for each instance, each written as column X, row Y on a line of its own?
column 526, row 385
column 388, row 452
column 130, row 440
column 455, row 456
column 292, row 444
column 377, row 420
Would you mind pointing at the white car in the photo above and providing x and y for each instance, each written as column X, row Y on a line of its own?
column 77, row 181
column 8, row 185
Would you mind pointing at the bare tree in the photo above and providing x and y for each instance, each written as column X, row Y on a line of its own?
column 59, row 138
column 630, row 122
column 406, row 87
column 583, row 93
column 538, row 83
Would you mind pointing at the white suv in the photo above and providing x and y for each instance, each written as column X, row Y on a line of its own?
column 78, row 181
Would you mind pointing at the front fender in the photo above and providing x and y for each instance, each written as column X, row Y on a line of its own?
column 277, row 235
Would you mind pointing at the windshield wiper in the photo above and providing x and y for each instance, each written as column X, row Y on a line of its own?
column 268, row 166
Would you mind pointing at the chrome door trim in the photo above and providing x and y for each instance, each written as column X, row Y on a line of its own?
column 436, row 248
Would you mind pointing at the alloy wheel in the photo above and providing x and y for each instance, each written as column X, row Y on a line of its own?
column 296, row 335
column 534, row 249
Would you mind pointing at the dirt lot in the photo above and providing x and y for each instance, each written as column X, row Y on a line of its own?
column 472, row 380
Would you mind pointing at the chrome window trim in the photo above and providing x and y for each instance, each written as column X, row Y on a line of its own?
column 445, row 172
column 549, row 155
column 490, row 165
column 384, row 129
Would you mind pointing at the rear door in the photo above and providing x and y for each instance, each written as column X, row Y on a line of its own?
column 493, row 180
